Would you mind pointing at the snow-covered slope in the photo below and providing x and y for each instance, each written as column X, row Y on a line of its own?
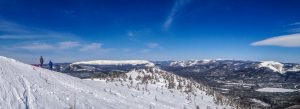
column 279, row 67
column 116, row 62
column 295, row 68
column 275, row 66
column 24, row 86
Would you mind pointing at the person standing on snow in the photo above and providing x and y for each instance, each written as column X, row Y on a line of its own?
column 50, row 65
column 41, row 61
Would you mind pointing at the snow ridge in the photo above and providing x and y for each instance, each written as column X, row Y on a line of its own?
column 116, row 62
column 191, row 62
column 275, row 66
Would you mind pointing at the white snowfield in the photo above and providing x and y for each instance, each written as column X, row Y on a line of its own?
column 275, row 66
column 24, row 86
column 270, row 89
column 278, row 67
column 116, row 62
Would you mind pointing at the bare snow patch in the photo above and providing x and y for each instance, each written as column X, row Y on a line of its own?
column 270, row 89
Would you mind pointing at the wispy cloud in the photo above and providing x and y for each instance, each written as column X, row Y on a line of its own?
column 42, row 46
column 130, row 34
column 37, row 46
column 14, row 31
column 295, row 27
column 153, row 45
column 39, row 36
column 145, row 50
column 92, row 46
column 11, row 27
column 136, row 35
column 294, row 30
column 292, row 40
column 68, row 44
column 25, row 42
column 178, row 5
column 17, row 37
column 296, row 23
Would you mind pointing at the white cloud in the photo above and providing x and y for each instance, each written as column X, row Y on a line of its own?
column 37, row 46
column 296, row 23
column 17, row 37
column 68, row 44
column 295, row 27
column 25, row 42
column 15, row 31
column 92, row 46
column 179, row 4
column 153, row 45
column 168, row 23
column 11, row 27
column 145, row 51
column 292, row 40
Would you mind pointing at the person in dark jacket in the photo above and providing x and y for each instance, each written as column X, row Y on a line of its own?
column 41, row 61
column 50, row 65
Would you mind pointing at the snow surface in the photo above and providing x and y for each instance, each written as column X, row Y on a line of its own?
column 29, row 87
column 191, row 62
column 116, row 62
column 270, row 89
column 275, row 66
column 278, row 67
column 296, row 68
column 260, row 102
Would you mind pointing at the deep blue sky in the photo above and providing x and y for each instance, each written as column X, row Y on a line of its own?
column 73, row 30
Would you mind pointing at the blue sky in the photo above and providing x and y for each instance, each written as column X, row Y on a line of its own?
column 75, row 30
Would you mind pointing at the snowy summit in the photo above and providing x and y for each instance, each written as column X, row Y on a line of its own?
column 275, row 66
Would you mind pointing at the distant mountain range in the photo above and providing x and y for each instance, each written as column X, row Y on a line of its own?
column 243, row 81
column 24, row 86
